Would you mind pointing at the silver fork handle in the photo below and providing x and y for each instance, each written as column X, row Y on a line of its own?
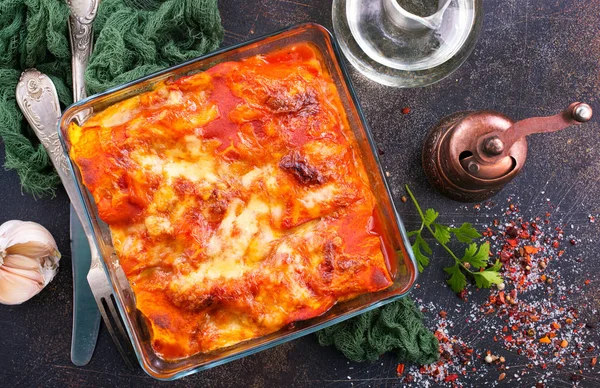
column 37, row 97
column 83, row 13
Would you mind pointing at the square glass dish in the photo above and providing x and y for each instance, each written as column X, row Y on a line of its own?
column 403, row 269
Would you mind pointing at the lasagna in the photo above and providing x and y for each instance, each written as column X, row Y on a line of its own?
column 236, row 199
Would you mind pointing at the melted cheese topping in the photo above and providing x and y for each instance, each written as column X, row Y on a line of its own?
column 235, row 200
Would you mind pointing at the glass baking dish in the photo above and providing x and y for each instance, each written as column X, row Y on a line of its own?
column 403, row 270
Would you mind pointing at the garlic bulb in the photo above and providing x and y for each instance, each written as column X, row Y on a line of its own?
column 28, row 260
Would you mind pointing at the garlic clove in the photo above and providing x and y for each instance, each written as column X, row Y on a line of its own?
column 33, row 249
column 15, row 289
column 28, row 239
column 35, row 274
column 20, row 262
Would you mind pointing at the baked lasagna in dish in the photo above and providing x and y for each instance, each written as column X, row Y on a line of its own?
column 236, row 199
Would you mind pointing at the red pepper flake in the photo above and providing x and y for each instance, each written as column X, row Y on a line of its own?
column 513, row 242
column 594, row 361
column 443, row 314
column 587, row 282
column 555, row 325
column 451, row 377
column 400, row 369
column 405, row 110
column 531, row 250
column 508, row 338
column 501, row 297
column 572, row 241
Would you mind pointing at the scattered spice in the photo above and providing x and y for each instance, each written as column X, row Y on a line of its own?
column 530, row 315
column 405, row 110
column 404, row 199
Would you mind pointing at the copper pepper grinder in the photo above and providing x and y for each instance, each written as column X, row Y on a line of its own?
column 470, row 156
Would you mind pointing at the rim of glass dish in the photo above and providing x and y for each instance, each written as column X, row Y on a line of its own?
column 369, row 136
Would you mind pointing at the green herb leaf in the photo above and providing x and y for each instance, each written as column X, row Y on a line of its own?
column 465, row 233
column 441, row 233
column 478, row 258
column 457, row 280
column 496, row 267
column 422, row 260
column 430, row 216
column 486, row 278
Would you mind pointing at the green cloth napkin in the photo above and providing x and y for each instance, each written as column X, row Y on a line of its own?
column 134, row 38
column 396, row 327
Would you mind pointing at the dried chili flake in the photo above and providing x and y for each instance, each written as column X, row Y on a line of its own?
column 451, row 377
column 531, row 250
column 406, row 110
column 400, row 369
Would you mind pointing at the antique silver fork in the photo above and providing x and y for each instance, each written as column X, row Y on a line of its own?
column 38, row 100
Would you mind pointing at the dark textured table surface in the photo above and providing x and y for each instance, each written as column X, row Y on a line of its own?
column 533, row 58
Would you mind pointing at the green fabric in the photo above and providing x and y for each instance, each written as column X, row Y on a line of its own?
column 132, row 38
column 396, row 327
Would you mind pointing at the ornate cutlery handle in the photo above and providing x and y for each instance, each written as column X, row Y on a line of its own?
column 38, row 100
column 82, row 16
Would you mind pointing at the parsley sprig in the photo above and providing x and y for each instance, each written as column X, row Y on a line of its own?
column 473, row 263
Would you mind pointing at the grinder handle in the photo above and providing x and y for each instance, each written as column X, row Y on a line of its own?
column 496, row 145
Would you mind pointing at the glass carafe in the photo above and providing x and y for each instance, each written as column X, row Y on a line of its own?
column 407, row 43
